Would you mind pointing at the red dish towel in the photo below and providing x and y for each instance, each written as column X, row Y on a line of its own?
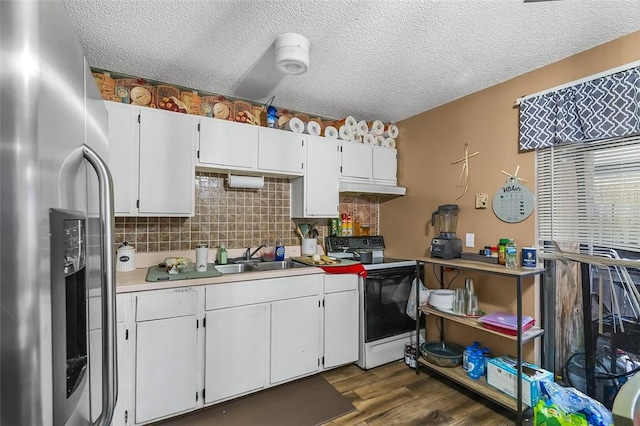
column 350, row 269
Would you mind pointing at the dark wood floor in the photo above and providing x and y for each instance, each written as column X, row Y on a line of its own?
column 393, row 394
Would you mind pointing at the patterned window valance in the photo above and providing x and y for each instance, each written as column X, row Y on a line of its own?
column 601, row 108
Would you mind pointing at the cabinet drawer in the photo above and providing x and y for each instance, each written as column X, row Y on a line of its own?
column 166, row 304
column 261, row 291
column 340, row 282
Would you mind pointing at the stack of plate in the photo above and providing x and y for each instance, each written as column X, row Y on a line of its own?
column 442, row 299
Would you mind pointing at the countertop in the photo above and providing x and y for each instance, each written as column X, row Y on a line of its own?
column 127, row 282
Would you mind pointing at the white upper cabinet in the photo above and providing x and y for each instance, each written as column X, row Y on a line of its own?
column 167, row 163
column 229, row 146
column 123, row 155
column 356, row 160
column 316, row 194
column 151, row 157
column 385, row 164
column 368, row 163
column 280, row 151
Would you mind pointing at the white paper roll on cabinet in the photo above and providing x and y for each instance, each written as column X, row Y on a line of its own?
column 295, row 125
column 250, row 182
column 349, row 121
column 362, row 128
column 357, row 137
column 345, row 133
column 376, row 127
column 330, row 132
column 379, row 141
column 312, row 128
column 391, row 131
column 390, row 143
column 369, row 139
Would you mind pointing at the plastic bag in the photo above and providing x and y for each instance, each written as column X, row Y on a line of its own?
column 571, row 400
column 411, row 303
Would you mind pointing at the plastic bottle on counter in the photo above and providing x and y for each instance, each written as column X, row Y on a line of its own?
column 502, row 247
column 474, row 364
column 222, row 254
column 511, row 254
column 279, row 250
column 357, row 231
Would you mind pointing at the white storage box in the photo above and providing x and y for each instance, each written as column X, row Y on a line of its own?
column 501, row 374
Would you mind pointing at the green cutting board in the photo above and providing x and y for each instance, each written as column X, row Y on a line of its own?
column 157, row 273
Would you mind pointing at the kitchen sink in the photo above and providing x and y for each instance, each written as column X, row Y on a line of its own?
column 276, row 265
column 234, row 268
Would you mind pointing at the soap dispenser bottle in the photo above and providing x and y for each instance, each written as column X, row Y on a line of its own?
column 222, row 254
column 279, row 250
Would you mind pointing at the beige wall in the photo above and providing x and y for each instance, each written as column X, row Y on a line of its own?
column 488, row 122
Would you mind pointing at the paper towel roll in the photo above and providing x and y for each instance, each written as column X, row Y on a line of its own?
column 357, row 137
column 379, row 141
column 348, row 121
column 376, row 127
column 362, row 128
column 390, row 143
column 330, row 132
column 294, row 125
column 369, row 139
column 251, row 182
column 312, row 128
column 345, row 133
column 390, row 131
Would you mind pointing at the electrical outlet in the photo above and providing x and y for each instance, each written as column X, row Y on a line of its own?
column 481, row 201
column 470, row 240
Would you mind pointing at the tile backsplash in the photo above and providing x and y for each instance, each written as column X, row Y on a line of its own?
column 239, row 218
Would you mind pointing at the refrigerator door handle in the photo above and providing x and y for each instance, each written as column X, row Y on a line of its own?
column 109, row 350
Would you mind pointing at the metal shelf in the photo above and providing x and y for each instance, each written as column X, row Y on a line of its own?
column 458, row 374
column 528, row 335
column 480, row 386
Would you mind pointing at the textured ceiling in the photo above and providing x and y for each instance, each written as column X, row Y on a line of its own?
column 374, row 59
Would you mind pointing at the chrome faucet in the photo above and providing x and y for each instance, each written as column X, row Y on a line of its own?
column 248, row 254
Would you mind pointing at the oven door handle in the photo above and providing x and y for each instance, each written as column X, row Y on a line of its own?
column 109, row 350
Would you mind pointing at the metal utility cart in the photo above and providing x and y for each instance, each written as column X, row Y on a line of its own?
column 458, row 374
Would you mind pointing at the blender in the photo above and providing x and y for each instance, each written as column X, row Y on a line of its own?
column 446, row 245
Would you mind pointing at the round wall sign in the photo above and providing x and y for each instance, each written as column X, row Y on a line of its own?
column 513, row 202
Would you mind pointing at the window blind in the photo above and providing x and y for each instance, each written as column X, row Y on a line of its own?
column 589, row 194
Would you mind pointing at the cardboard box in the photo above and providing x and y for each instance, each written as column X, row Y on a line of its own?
column 501, row 374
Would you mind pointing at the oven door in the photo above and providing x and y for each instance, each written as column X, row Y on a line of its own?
column 386, row 292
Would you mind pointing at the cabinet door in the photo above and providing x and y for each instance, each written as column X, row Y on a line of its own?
column 166, row 369
column 224, row 144
column 322, row 176
column 385, row 164
column 95, row 375
column 167, row 163
column 356, row 160
column 280, row 151
column 232, row 335
column 295, row 334
column 123, row 155
column 340, row 328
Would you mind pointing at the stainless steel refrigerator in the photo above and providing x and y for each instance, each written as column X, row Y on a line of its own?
column 56, row 233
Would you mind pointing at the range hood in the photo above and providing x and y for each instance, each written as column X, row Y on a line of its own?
column 371, row 188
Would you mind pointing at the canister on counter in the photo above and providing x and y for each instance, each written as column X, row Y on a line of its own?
column 529, row 257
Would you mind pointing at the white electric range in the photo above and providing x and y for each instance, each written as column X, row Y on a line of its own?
column 385, row 327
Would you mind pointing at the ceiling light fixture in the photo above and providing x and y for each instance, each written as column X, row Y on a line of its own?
column 292, row 53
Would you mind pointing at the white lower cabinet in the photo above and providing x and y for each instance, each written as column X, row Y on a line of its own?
column 166, row 347
column 295, row 338
column 120, row 414
column 340, row 320
column 232, row 335
column 231, row 339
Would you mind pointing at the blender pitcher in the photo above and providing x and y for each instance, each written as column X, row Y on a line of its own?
column 448, row 219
